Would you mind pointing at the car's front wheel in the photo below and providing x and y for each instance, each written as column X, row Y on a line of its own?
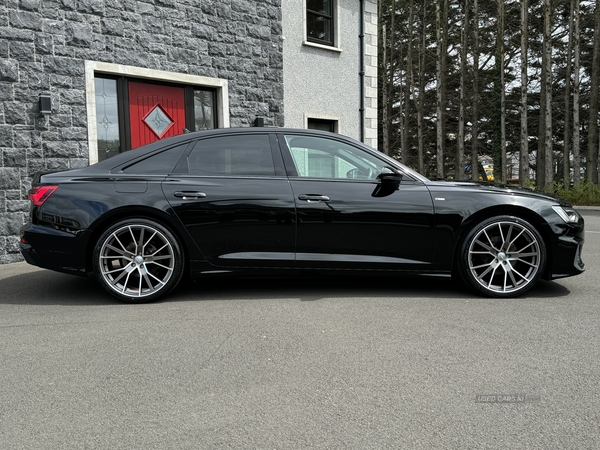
column 502, row 256
column 138, row 260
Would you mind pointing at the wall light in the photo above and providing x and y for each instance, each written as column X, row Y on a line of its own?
column 45, row 104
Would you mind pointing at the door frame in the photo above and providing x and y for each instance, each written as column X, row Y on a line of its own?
column 119, row 71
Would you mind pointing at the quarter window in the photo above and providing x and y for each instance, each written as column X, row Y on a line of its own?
column 160, row 164
column 232, row 156
column 319, row 21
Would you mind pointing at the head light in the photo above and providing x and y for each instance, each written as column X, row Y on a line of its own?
column 569, row 215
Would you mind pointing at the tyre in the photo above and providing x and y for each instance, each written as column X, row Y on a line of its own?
column 138, row 260
column 502, row 256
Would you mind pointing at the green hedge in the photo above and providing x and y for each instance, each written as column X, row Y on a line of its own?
column 586, row 194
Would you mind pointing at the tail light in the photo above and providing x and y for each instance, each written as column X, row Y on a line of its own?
column 39, row 194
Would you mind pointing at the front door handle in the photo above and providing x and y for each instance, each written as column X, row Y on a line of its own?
column 189, row 195
column 313, row 198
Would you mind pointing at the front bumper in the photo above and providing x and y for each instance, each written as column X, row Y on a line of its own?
column 567, row 249
column 567, row 259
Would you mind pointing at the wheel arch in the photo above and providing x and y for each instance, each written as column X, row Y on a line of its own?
column 521, row 212
column 136, row 212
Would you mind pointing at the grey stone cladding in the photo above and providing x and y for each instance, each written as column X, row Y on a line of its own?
column 43, row 46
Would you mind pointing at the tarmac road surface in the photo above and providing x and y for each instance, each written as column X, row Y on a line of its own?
column 300, row 363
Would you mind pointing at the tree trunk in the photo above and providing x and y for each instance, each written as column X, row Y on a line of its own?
column 409, row 89
column 439, row 89
column 445, row 42
column 385, row 145
column 401, row 97
column 576, row 124
column 548, row 160
column 475, row 127
column 524, row 153
column 567, row 121
column 421, row 102
column 391, row 86
column 503, row 170
column 460, row 150
column 540, row 174
column 593, row 144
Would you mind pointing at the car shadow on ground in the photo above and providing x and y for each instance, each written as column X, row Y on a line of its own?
column 44, row 287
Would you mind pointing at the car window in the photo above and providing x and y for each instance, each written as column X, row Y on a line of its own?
column 240, row 155
column 317, row 157
column 160, row 163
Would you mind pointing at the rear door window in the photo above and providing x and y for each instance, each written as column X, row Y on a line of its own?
column 240, row 155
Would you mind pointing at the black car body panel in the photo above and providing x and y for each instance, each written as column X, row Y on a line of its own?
column 279, row 219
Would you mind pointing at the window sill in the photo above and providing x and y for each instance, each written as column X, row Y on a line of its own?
column 324, row 47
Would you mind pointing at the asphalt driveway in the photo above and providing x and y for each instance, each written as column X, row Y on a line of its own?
column 300, row 363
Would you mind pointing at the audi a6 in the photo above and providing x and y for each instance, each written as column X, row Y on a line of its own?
column 276, row 201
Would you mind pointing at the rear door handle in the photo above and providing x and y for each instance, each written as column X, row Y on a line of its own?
column 313, row 198
column 189, row 195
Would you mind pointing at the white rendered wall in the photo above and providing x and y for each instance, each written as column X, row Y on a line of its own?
column 323, row 82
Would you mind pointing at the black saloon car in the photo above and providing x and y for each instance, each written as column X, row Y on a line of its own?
column 271, row 201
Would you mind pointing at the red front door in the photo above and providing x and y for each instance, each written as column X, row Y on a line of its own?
column 155, row 112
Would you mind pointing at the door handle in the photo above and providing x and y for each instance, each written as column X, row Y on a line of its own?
column 189, row 195
column 313, row 198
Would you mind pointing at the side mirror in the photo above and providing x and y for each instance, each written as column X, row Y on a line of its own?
column 388, row 182
column 390, row 177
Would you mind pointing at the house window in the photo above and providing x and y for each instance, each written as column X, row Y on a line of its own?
column 322, row 124
column 320, row 22
column 107, row 117
column 204, row 114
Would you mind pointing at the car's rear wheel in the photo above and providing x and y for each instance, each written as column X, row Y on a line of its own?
column 138, row 260
column 502, row 256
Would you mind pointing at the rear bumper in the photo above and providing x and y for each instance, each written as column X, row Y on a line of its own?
column 53, row 249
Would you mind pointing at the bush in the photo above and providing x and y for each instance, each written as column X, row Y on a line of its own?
column 585, row 194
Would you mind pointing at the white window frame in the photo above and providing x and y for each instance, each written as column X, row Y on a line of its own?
column 92, row 68
column 336, row 29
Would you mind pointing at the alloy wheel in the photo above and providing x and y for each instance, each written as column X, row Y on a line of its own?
column 505, row 257
column 136, row 260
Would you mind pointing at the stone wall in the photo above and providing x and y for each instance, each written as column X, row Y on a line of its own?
column 43, row 46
